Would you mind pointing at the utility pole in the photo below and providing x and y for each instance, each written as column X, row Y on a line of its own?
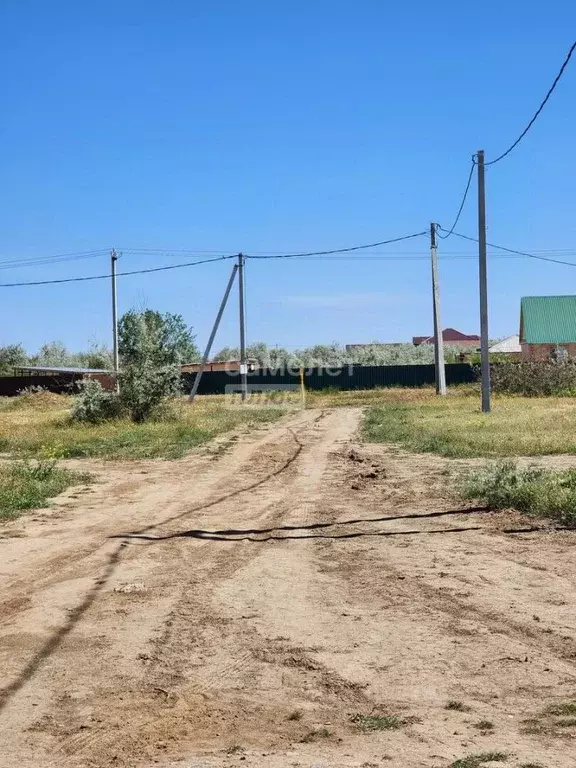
column 438, row 338
column 213, row 333
column 485, row 355
column 113, row 260
column 243, row 361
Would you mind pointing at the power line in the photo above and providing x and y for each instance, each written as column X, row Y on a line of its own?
column 339, row 250
column 120, row 274
column 457, row 219
column 423, row 257
column 518, row 253
column 207, row 261
column 170, row 251
column 540, row 108
column 41, row 260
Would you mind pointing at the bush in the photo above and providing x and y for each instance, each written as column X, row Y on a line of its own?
column 93, row 405
column 145, row 389
column 535, row 379
column 535, row 491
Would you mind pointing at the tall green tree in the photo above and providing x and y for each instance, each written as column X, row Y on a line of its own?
column 11, row 356
column 161, row 338
column 152, row 347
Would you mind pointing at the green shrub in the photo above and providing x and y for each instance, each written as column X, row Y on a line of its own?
column 535, row 379
column 535, row 491
column 93, row 405
column 145, row 389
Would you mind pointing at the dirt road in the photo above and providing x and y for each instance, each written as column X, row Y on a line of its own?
column 244, row 605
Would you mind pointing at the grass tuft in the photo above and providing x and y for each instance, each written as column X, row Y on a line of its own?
column 369, row 723
column 535, row 491
column 552, row 721
column 476, row 761
column 315, row 734
column 235, row 749
column 458, row 706
column 296, row 715
column 30, row 484
column 566, row 708
column 484, row 725
column 531, row 765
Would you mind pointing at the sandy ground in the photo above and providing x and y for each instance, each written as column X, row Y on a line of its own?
column 242, row 605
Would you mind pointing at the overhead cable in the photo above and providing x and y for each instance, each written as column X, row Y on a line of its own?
column 518, row 253
column 457, row 219
column 119, row 274
column 339, row 250
column 539, row 110
column 43, row 260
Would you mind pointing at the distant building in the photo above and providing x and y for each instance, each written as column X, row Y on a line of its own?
column 449, row 336
column 219, row 365
column 548, row 327
column 105, row 377
column 509, row 346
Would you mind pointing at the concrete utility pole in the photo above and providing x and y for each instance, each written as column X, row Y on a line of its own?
column 113, row 260
column 243, row 360
column 213, row 333
column 438, row 338
column 485, row 355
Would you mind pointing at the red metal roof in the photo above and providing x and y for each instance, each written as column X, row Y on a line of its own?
column 450, row 336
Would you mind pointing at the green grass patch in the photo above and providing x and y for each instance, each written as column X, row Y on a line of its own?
column 476, row 761
column 556, row 720
column 369, row 723
column 534, row 491
column 454, row 425
column 31, row 428
column 30, row 484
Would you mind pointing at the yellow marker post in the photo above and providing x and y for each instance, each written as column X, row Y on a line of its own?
column 302, row 388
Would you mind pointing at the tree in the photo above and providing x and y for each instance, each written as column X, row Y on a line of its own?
column 152, row 347
column 11, row 356
column 54, row 353
column 98, row 356
column 165, row 337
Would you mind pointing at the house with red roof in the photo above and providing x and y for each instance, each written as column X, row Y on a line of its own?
column 449, row 336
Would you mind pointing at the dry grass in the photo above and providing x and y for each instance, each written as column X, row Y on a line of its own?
column 454, row 426
column 39, row 425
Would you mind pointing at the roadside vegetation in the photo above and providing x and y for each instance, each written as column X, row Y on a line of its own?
column 148, row 418
column 454, row 426
column 30, row 484
column 40, row 425
column 532, row 490
column 535, row 379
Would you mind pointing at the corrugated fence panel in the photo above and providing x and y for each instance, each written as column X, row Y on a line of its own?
column 346, row 378
column 215, row 382
column 13, row 385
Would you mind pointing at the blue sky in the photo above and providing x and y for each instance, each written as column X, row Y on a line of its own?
column 270, row 127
